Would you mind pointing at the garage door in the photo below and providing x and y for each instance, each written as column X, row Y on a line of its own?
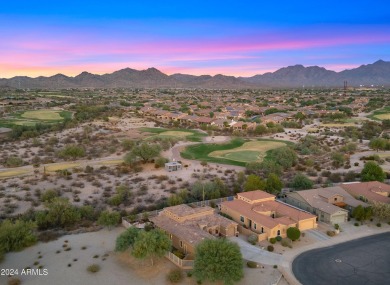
column 338, row 219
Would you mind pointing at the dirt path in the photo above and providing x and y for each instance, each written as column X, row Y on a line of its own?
column 173, row 153
column 52, row 167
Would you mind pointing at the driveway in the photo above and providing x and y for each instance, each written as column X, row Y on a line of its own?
column 254, row 253
column 361, row 261
column 317, row 235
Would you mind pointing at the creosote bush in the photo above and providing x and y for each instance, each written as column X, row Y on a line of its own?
column 251, row 264
column 93, row 268
column 175, row 276
column 252, row 239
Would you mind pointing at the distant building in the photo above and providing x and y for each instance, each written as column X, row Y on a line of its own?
column 173, row 166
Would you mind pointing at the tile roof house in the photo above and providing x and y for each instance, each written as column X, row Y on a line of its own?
column 263, row 215
column 188, row 226
column 372, row 191
column 330, row 204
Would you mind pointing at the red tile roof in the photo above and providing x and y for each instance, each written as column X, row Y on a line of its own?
column 368, row 190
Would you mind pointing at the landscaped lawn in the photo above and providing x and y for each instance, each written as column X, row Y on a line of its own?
column 236, row 152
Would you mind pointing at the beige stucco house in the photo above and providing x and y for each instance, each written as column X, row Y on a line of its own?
column 259, row 212
column 187, row 226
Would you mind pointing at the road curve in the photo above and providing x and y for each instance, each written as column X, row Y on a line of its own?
column 357, row 262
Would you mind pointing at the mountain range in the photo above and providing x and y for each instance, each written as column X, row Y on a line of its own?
column 377, row 74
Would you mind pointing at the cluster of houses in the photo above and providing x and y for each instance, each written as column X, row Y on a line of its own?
column 228, row 118
column 260, row 213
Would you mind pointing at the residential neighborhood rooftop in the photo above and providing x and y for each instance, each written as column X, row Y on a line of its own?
column 374, row 191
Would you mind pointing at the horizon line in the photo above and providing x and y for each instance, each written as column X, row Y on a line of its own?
column 170, row 74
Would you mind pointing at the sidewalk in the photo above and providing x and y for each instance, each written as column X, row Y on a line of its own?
column 349, row 232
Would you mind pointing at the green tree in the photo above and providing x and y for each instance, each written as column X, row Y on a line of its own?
column 160, row 162
column 87, row 212
column 273, row 184
column 14, row 161
column 241, row 178
column 269, row 166
column 60, row 213
column 145, row 152
column 381, row 211
column 301, row 182
column 122, row 195
column 361, row 213
column 254, row 182
column 72, row 152
column 218, row 260
column 16, row 235
column 174, row 200
column 261, row 130
column 109, row 219
column 127, row 144
column 152, row 244
column 378, row 144
column 207, row 190
column 126, row 239
column 300, row 116
column 372, row 172
column 48, row 195
column 293, row 233
column 337, row 159
column 285, row 156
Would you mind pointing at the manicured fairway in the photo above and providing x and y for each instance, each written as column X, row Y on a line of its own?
column 44, row 115
column 23, row 122
column 249, row 151
column 32, row 117
column 382, row 114
column 176, row 134
column 236, row 152
column 191, row 135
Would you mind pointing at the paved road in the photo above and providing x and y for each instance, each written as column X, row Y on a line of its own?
column 254, row 253
column 362, row 261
